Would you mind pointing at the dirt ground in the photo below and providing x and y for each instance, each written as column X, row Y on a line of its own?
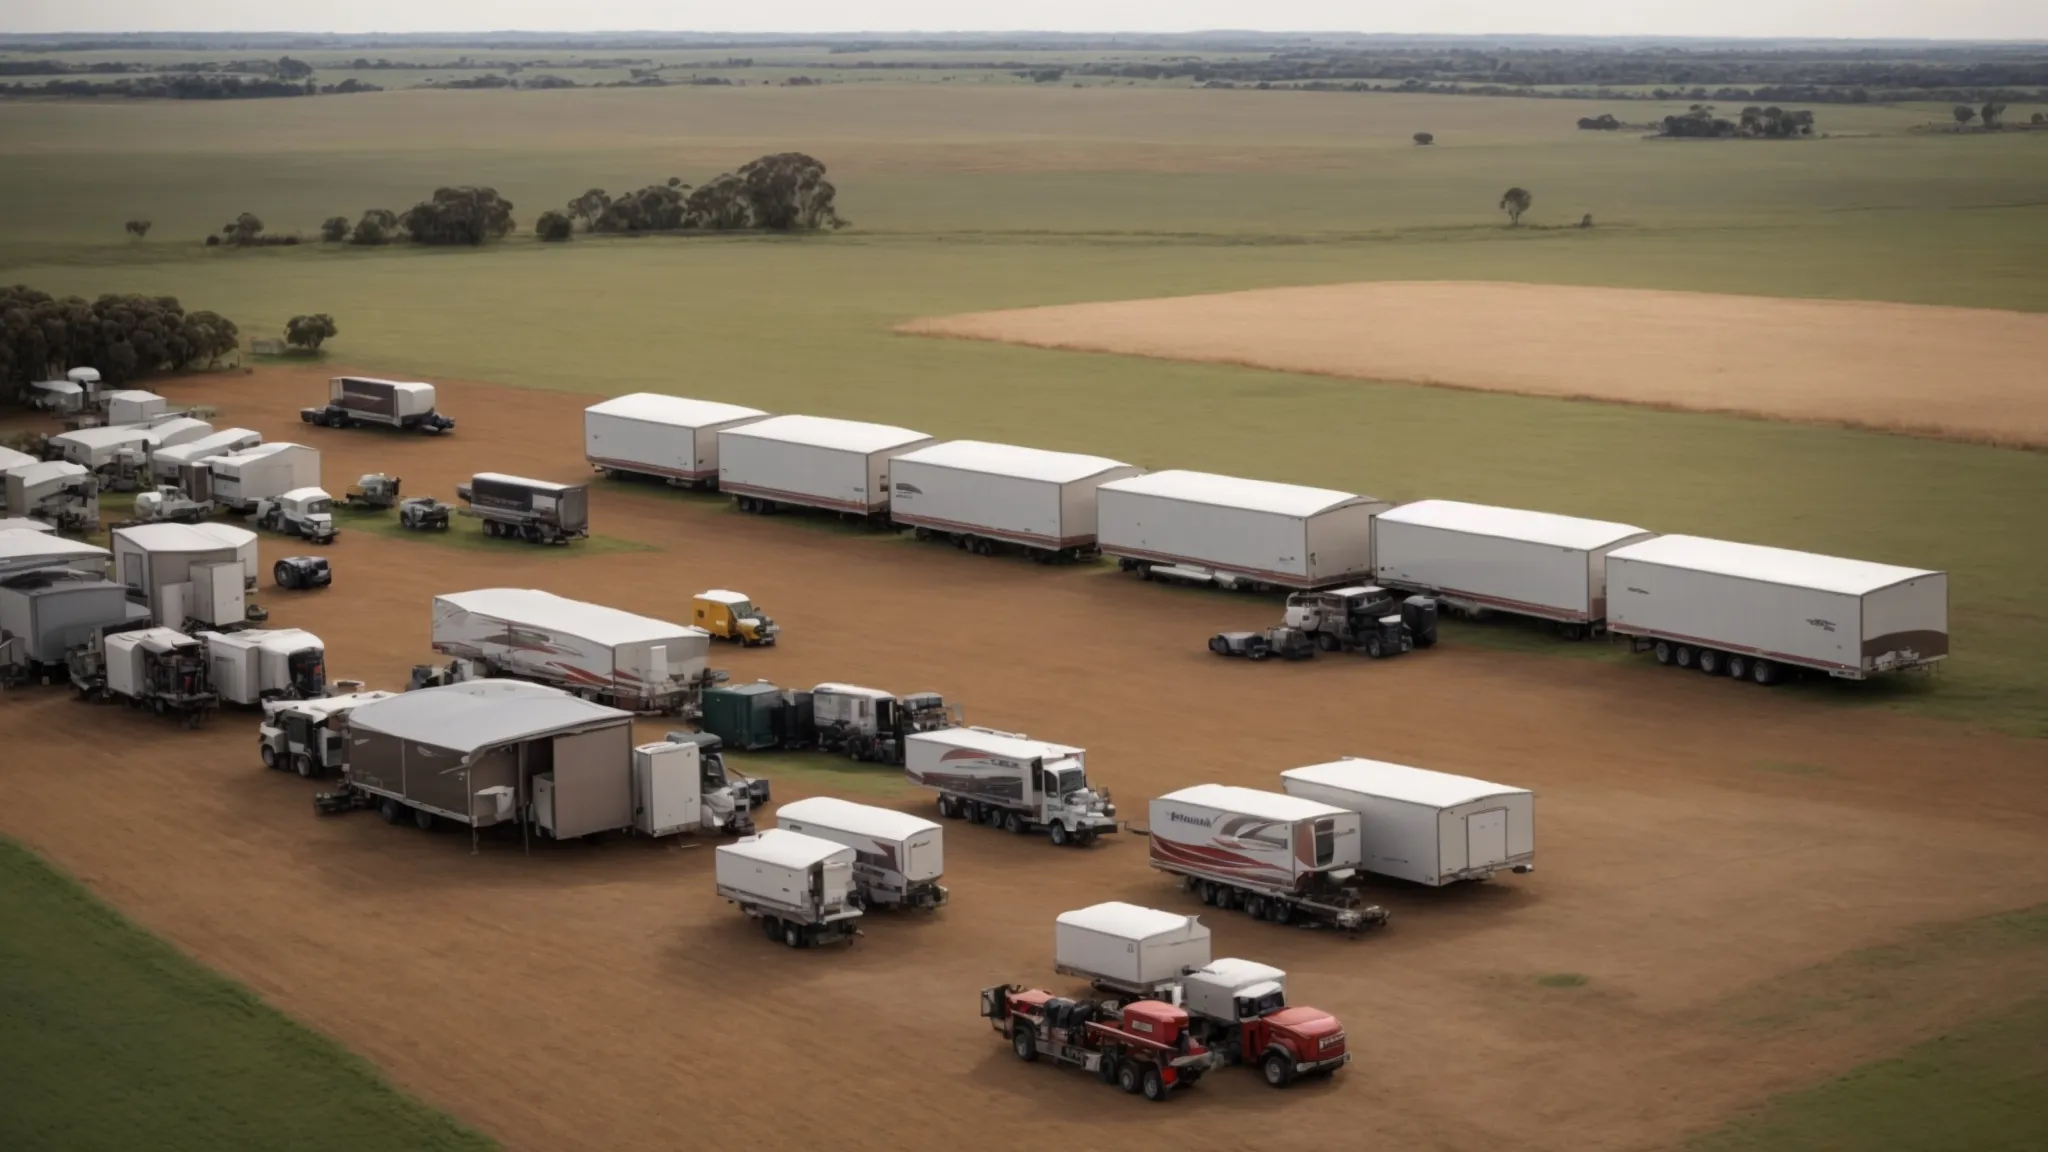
column 1712, row 857
column 1960, row 373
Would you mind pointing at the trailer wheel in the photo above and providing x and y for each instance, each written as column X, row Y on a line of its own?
column 793, row 935
column 303, row 765
column 1058, row 832
column 1710, row 662
column 1682, row 656
column 1279, row 911
column 1572, row 631
column 1255, row 907
column 391, row 810
column 945, row 808
column 421, row 818
column 1025, row 1043
column 1013, row 822
column 772, row 927
column 1738, row 666
column 1663, row 652
column 1127, row 1077
column 1206, row 891
column 1326, row 642
column 1764, row 672
column 1154, row 1085
column 268, row 753
column 1277, row 1068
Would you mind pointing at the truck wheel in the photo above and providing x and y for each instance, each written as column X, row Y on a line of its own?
column 1682, row 656
column 421, row 818
column 1013, row 823
column 1764, row 672
column 1662, row 652
column 1207, row 891
column 1154, row 1085
column 1127, row 1077
column 945, row 808
column 1738, row 666
column 772, row 926
column 282, row 574
column 793, row 935
column 303, row 765
column 391, row 810
column 1107, row 1069
column 1710, row 662
column 268, row 753
column 1374, row 648
column 1025, row 1043
column 1279, row 911
column 1326, row 642
column 1255, row 907
column 1219, row 645
column 1058, row 832
column 1277, row 1068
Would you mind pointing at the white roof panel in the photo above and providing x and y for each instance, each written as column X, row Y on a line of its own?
column 824, row 432
column 149, row 640
column 477, row 714
column 859, row 819
column 1128, row 921
column 309, row 493
column 412, row 386
column 1253, row 802
column 212, row 444
column 1238, row 973
column 30, row 544
column 105, row 437
column 542, row 485
column 176, row 538
column 1234, row 492
column 722, row 596
column 593, row 622
column 326, row 705
column 133, row 395
column 1012, row 460
column 59, row 387
column 786, row 849
column 227, row 534
column 1770, row 565
column 1400, row 782
column 23, row 524
column 678, row 411
column 41, row 471
column 853, row 690
column 10, row 460
column 1513, row 524
column 1013, row 747
column 176, row 425
column 259, row 452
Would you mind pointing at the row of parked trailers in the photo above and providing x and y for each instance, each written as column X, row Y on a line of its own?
column 1721, row 606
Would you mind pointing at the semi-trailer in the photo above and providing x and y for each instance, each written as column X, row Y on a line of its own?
column 1478, row 558
column 1197, row 527
column 813, row 462
column 53, row 610
column 253, row 666
column 176, row 464
column 1761, row 614
column 801, row 888
column 309, row 737
column 160, row 669
column 1129, row 949
column 58, row 491
column 539, row 511
column 898, row 858
column 872, row 725
column 603, row 654
column 1239, row 1009
column 132, row 406
column 668, row 438
column 1009, row 781
column 1433, row 828
column 353, row 401
column 1274, row 856
column 1145, row 1047
column 242, row 479
column 982, row 496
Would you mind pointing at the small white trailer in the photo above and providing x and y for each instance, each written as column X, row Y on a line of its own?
column 187, row 577
column 898, row 858
column 1430, row 827
column 1757, row 613
column 172, row 463
column 1009, row 781
column 671, row 438
column 59, row 491
column 98, row 449
column 599, row 653
column 160, row 669
column 1275, row 857
column 241, row 540
column 1128, row 948
column 800, row 888
column 255, row 665
column 55, row 610
column 1476, row 558
column 264, row 472
column 353, row 401
column 1198, row 527
column 670, row 797
column 812, row 462
column 979, row 495
column 133, row 406
column 27, row 551
column 62, row 397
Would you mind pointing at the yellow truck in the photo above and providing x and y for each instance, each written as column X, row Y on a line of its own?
column 731, row 616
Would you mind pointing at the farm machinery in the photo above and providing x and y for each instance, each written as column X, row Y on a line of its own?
column 374, row 492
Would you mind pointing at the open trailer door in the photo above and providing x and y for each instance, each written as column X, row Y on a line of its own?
column 593, row 781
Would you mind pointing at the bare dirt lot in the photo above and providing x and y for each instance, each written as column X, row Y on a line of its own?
column 1960, row 373
column 1715, row 860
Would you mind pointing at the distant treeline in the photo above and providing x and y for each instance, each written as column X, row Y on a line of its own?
column 186, row 88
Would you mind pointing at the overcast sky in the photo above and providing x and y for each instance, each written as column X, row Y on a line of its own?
column 1955, row 19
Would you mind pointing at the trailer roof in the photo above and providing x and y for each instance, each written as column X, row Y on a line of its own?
column 227, row 534
column 680, row 411
column 723, row 596
column 781, row 847
column 325, row 706
column 59, row 387
column 413, row 386
column 1000, row 744
column 854, row 690
column 162, row 429
column 137, row 395
column 1399, row 782
column 1239, row 973
column 150, row 639
column 1253, row 802
column 1130, row 921
column 23, row 545
column 274, row 639
column 256, row 452
column 23, row 524
column 10, row 460
column 1014, row 461
column 1235, row 492
column 212, row 444
column 310, row 492
column 477, row 714
column 824, row 432
column 1513, row 524
column 528, row 482
column 861, row 819
column 47, row 470
column 593, row 622
column 105, row 437
column 1770, row 565
column 176, row 538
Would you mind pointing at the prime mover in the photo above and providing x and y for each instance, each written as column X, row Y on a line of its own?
column 1009, row 781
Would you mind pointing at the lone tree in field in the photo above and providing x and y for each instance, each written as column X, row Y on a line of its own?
column 334, row 230
column 1514, row 202
column 2038, row 119
column 243, row 229
column 1993, row 114
column 308, row 331
column 1424, row 138
column 788, row 192
column 553, row 226
column 1965, row 114
column 290, row 69
column 137, row 228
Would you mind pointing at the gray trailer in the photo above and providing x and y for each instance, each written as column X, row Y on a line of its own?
column 55, row 610
column 63, row 493
column 539, row 511
column 669, row 438
column 1201, row 528
column 27, row 551
column 978, row 496
column 175, row 463
column 185, row 575
column 812, row 462
column 355, row 401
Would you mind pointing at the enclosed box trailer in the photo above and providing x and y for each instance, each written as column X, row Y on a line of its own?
column 55, row 490
column 1430, row 827
column 1476, row 557
column 1275, row 856
column 812, row 462
column 182, row 573
column 353, row 401
column 1754, row 612
column 97, row 449
column 1128, row 948
column 263, row 472
column 168, row 462
column 800, row 887
column 133, row 406
column 633, row 661
column 255, row 665
column 898, row 858
column 27, row 551
column 55, row 610
column 159, row 668
column 672, row 438
column 1000, row 778
column 537, row 510
column 974, row 494
column 241, row 540
column 1237, row 533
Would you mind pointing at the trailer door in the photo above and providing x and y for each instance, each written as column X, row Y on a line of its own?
column 593, row 781
column 1486, row 838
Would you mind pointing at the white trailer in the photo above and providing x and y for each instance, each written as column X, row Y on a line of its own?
column 168, row 463
column 1430, row 827
column 98, row 449
column 800, row 887
column 812, row 462
column 1005, row 780
column 255, row 665
column 184, row 575
column 670, row 797
column 898, row 858
column 22, row 524
column 1203, row 528
column 56, row 610
column 1756, row 613
column 11, row 459
column 62, row 397
column 55, row 490
column 161, row 669
column 133, row 406
column 241, row 540
column 670, row 438
column 599, row 653
column 1127, row 948
column 353, row 401
column 309, row 736
column 1275, row 857
column 1477, row 558
column 263, row 472
column 977, row 495
column 28, row 551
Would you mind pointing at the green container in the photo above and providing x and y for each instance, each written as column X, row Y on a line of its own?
column 743, row 715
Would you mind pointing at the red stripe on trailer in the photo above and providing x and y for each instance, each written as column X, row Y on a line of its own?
column 799, row 498
column 652, row 469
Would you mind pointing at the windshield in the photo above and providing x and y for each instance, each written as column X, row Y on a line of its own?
column 741, row 608
column 316, row 507
column 1066, row 781
column 1250, row 1007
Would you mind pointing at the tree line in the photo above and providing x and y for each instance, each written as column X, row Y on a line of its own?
column 125, row 337
column 784, row 192
column 1775, row 123
column 186, row 87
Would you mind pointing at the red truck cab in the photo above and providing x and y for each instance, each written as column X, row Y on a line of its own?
column 1241, row 1006
column 1311, row 1040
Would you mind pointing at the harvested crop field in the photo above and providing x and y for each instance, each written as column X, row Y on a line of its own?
column 1739, row 892
column 1961, row 373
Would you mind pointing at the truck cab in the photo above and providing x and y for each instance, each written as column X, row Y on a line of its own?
column 731, row 616
column 1241, row 1007
column 870, row 724
column 307, row 512
column 1339, row 617
column 1068, row 806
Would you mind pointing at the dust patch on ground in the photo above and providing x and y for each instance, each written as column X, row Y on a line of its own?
column 1953, row 373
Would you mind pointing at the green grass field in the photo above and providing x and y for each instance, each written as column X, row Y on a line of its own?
column 110, row 1039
